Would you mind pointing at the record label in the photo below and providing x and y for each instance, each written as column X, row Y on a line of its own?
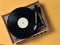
column 22, row 22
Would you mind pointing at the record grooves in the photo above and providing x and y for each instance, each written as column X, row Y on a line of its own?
column 13, row 18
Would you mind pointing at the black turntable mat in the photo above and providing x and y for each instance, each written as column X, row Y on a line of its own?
column 25, row 14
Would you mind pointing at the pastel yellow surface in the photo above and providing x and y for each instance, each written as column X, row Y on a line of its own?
column 52, row 8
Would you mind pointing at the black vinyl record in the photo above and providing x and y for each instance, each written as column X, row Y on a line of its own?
column 23, row 13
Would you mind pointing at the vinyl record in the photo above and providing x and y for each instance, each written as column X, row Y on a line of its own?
column 21, row 22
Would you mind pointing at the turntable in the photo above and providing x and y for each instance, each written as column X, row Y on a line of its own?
column 25, row 22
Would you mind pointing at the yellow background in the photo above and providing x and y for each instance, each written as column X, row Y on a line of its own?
column 52, row 8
